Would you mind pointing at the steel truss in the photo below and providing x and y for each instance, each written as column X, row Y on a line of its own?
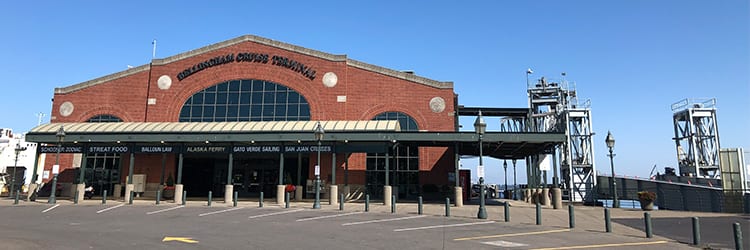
column 697, row 137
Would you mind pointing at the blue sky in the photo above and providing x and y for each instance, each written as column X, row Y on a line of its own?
column 632, row 59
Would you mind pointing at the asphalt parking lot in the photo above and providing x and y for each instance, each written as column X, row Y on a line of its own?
column 144, row 225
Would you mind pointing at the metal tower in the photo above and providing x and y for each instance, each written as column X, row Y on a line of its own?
column 556, row 108
column 696, row 137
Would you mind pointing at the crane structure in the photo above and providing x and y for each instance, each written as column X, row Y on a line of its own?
column 696, row 136
column 555, row 108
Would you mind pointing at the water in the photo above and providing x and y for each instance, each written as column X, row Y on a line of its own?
column 625, row 204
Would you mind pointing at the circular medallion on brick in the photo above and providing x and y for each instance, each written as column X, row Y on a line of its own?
column 164, row 82
column 437, row 104
column 330, row 79
column 66, row 109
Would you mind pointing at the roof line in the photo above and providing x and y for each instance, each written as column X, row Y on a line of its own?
column 264, row 41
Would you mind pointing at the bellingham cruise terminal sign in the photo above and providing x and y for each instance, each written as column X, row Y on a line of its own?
column 279, row 61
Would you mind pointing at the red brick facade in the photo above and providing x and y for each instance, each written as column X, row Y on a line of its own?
column 369, row 90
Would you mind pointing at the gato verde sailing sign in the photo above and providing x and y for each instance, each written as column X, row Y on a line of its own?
column 247, row 57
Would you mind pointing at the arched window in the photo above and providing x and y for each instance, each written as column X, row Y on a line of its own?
column 404, row 170
column 104, row 118
column 245, row 100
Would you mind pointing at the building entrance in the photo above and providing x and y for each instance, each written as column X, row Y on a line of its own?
column 250, row 175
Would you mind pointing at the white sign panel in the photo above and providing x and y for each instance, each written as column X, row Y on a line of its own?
column 45, row 174
column 480, row 171
column 55, row 169
column 544, row 163
column 317, row 170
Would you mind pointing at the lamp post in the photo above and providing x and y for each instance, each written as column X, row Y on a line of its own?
column 15, row 166
column 610, row 140
column 318, row 136
column 60, row 137
column 479, row 127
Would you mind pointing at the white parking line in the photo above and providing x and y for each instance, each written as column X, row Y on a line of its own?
column 53, row 207
column 109, row 208
column 220, row 211
column 383, row 220
column 164, row 210
column 277, row 213
column 329, row 216
column 442, row 226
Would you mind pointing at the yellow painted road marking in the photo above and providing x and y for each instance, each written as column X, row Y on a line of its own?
column 180, row 239
column 515, row 234
column 605, row 245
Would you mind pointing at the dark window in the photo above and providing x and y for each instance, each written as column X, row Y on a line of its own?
column 245, row 100
column 104, row 118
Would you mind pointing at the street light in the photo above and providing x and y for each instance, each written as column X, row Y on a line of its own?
column 60, row 136
column 479, row 127
column 610, row 140
column 318, row 136
column 15, row 166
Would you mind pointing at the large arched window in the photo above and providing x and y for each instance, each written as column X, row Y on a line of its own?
column 104, row 118
column 404, row 170
column 245, row 100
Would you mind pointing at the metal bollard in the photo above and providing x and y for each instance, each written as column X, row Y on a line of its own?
column 538, row 214
column 286, row 199
column 210, row 194
column 341, row 202
column 104, row 197
column 647, row 220
column 367, row 203
column 506, row 208
column 158, row 196
column 184, row 196
column 419, row 208
column 393, row 204
column 15, row 201
column 607, row 221
column 696, row 232
column 260, row 201
column 131, row 197
column 447, row 207
column 571, row 216
column 737, row 236
column 234, row 204
column 75, row 197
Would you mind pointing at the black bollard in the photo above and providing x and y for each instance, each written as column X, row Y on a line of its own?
column 696, row 232
column 647, row 220
column 571, row 216
column 341, row 202
column 15, row 201
column 131, row 197
column 286, row 199
column 367, row 203
column 234, row 204
column 184, row 197
column 210, row 194
column 260, row 201
column 419, row 208
column 447, row 207
column 737, row 236
column 393, row 204
column 538, row 214
column 75, row 197
column 104, row 197
column 607, row 221
column 506, row 208
column 158, row 196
